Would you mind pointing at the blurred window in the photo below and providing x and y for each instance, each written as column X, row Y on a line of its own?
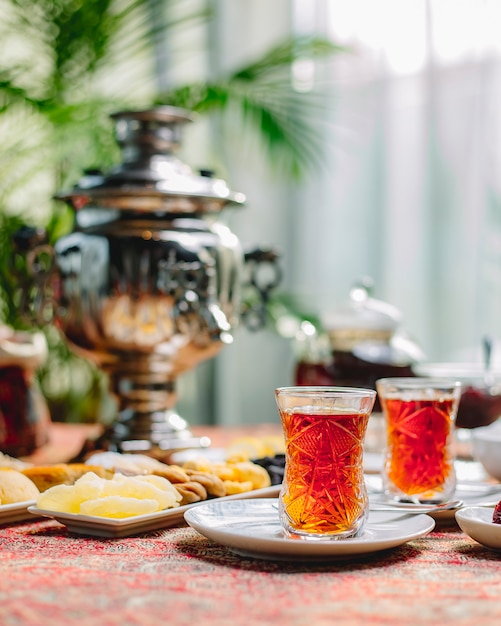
column 410, row 191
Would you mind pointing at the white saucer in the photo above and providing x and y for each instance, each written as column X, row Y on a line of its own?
column 16, row 512
column 477, row 523
column 252, row 528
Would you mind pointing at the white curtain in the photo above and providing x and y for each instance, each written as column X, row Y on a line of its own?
column 411, row 196
column 410, row 189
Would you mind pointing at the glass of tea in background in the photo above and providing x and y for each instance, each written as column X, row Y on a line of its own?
column 323, row 494
column 419, row 420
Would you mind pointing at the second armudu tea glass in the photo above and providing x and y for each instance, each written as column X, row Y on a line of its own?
column 323, row 494
column 419, row 459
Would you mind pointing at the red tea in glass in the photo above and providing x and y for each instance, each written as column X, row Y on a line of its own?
column 420, row 416
column 323, row 492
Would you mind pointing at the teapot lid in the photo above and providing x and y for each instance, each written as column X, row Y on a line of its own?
column 363, row 312
column 151, row 178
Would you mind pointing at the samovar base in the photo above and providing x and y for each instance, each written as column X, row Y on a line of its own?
column 147, row 421
column 158, row 433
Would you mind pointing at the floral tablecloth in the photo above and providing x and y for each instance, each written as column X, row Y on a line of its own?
column 177, row 577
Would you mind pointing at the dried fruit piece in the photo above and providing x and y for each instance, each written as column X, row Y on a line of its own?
column 120, row 496
column 62, row 498
column 496, row 517
column 119, row 507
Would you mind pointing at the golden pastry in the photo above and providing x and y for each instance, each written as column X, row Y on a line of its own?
column 212, row 483
column 191, row 492
column 46, row 476
column 16, row 487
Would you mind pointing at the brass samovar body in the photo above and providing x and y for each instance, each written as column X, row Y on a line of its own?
column 149, row 283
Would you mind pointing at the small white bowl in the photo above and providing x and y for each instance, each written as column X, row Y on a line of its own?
column 486, row 447
column 477, row 523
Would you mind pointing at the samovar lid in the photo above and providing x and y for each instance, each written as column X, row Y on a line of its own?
column 151, row 178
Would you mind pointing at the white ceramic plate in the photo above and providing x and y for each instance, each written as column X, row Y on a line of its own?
column 252, row 528
column 17, row 512
column 109, row 527
column 477, row 523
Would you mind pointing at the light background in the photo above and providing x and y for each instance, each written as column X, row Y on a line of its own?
column 409, row 191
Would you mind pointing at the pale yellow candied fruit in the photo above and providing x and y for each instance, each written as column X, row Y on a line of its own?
column 121, row 496
column 119, row 507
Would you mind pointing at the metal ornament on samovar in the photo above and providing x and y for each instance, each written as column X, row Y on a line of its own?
column 149, row 283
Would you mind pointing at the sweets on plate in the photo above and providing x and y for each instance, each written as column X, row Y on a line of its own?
column 46, row 476
column 100, row 486
column 118, row 497
column 191, row 491
column 16, row 487
column 196, row 479
column 267, row 451
column 249, row 448
column 237, row 477
column 191, row 488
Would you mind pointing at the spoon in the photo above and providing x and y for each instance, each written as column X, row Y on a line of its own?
column 488, row 345
column 410, row 507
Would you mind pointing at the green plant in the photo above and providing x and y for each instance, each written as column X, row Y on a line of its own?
column 65, row 65
column 56, row 95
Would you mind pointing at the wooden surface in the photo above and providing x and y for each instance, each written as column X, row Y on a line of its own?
column 66, row 440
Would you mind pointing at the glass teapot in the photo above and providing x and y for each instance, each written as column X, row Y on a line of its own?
column 357, row 343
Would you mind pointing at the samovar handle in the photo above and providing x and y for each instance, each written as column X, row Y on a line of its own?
column 264, row 275
column 33, row 265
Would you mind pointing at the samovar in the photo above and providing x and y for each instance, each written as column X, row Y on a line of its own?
column 149, row 283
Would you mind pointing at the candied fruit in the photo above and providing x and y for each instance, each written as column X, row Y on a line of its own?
column 120, row 496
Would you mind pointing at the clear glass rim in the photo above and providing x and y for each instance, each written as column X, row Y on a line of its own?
column 332, row 392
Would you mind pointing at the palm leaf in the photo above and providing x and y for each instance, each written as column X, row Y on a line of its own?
column 261, row 96
column 285, row 54
column 86, row 39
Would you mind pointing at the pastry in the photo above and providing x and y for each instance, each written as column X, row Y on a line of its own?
column 191, row 491
column 16, row 487
column 45, row 476
column 174, row 473
column 212, row 483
